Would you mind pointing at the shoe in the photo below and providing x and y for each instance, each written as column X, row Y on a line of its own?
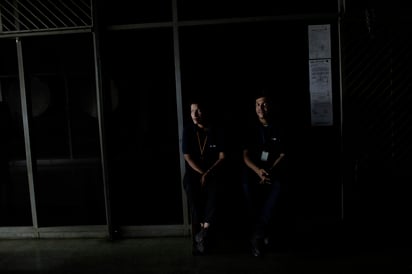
column 198, row 249
column 201, row 235
column 256, row 248
column 200, row 242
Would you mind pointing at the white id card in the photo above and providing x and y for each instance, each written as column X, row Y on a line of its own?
column 264, row 156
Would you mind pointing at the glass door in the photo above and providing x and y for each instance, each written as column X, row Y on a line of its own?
column 65, row 146
column 14, row 186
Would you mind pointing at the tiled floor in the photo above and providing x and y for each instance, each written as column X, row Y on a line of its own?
column 173, row 255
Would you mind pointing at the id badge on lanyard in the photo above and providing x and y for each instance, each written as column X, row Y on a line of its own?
column 264, row 156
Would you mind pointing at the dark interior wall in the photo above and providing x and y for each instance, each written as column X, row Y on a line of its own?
column 376, row 50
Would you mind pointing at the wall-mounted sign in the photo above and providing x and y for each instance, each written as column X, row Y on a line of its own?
column 321, row 92
column 320, row 75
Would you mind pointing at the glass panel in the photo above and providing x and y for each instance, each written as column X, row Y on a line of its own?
column 143, row 132
column 121, row 12
column 64, row 128
column 213, row 9
column 14, row 186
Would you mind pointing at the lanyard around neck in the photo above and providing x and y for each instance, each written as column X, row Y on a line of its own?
column 201, row 147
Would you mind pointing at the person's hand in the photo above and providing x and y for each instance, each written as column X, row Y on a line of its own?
column 204, row 177
column 264, row 176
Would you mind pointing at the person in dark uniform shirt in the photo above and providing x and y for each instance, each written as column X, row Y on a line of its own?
column 263, row 177
column 203, row 152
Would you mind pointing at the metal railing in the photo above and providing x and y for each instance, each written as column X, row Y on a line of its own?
column 20, row 16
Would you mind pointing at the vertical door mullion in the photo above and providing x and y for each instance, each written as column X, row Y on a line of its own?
column 101, row 120
column 176, row 50
column 27, row 139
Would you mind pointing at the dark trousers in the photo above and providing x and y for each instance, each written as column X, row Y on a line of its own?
column 262, row 201
column 202, row 199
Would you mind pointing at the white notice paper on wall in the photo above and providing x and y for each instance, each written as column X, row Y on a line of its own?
column 320, row 76
column 319, row 41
